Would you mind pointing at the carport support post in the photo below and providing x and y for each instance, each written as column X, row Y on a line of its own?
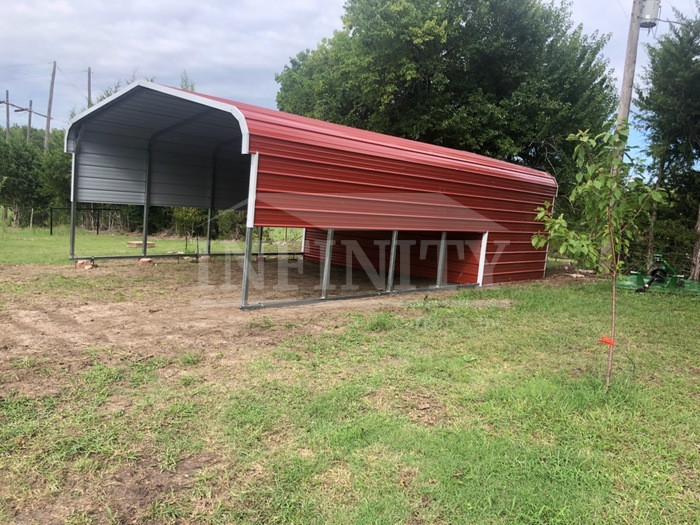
column 392, row 261
column 147, row 200
column 247, row 262
column 441, row 259
column 209, row 232
column 327, row 265
column 211, row 196
column 73, row 213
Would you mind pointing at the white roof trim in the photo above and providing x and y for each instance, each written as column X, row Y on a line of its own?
column 184, row 95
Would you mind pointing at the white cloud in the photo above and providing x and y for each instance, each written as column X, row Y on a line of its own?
column 230, row 48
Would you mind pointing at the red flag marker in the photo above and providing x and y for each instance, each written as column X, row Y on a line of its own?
column 607, row 341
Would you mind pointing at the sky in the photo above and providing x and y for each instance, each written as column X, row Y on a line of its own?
column 229, row 48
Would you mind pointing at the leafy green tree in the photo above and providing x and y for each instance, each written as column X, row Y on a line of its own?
column 610, row 202
column 20, row 186
column 186, row 82
column 508, row 79
column 669, row 108
column 55, row 172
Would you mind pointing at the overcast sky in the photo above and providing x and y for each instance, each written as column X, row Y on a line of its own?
column 230, row 48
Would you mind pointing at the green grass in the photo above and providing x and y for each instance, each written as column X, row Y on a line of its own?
column 451, row 410
column 36, row 246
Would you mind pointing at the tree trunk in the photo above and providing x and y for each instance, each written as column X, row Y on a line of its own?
column 695, row 268
column 613, row 315
column 652, row 225
column 654, row 215
column 613, row 310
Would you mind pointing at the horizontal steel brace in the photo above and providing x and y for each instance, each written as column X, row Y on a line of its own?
column 313, row 300
column 176, row 255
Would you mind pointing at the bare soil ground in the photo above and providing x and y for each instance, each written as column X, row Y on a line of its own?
column 52, row 314
column 149, row 311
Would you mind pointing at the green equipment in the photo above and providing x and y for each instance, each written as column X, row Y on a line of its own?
column 660, row 277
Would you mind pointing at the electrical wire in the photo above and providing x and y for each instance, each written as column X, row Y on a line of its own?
column 82, row 94
column 624, row 12
column 5, row 66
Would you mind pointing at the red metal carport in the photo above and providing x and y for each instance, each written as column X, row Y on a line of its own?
column 342, row 184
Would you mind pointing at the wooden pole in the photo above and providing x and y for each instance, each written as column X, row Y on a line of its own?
column 29, row 123
column 630, row 63
column 48, row 111
column 7, row 114
column 89, row 79
column 695, row 271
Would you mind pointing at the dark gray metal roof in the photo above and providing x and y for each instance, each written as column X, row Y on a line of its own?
column 190, row 143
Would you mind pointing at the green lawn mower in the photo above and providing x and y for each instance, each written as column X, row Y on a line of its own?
column 661, row 277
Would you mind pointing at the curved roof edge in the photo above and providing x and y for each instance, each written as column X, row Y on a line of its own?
column 243, row 112
column 228, row 107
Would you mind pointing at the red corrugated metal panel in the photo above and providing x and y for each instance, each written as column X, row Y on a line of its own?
column 319, row 175
column 416, row 255
column 314, row 135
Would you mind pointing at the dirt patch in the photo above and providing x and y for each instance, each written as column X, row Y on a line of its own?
column 567, row 276
column 56, row 328
column 57, row 323
column 126, row 495
column 421, row 407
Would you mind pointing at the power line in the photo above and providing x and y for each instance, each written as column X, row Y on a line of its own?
column 624, row 12
column 71, row 82
column 6, row 66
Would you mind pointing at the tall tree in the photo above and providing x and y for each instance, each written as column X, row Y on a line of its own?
column 508, row 78
column 611, row 201
column 20, row 187
column 670, row 110
column 186, row 82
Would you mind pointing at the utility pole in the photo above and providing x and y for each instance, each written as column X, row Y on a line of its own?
column 630, row 63
column 89, row 100
column 29, row 110
column 29, row 122
column 48, row 111
column 645, row 13
column 7, row 114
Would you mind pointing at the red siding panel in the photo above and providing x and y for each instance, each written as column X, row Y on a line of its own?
column 416, row 255
column 319, row 175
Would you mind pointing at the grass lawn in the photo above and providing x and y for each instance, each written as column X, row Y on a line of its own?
column 478, row 406
column 36, row 246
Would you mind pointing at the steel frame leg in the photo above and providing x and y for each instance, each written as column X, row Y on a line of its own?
column 73, row 213
column 209, row 214
column 392, row 261
column 441, row 259
column 247, row 263
column 327, row 265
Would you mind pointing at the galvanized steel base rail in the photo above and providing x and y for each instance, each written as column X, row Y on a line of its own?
column 182, row 255
column 379, row 293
